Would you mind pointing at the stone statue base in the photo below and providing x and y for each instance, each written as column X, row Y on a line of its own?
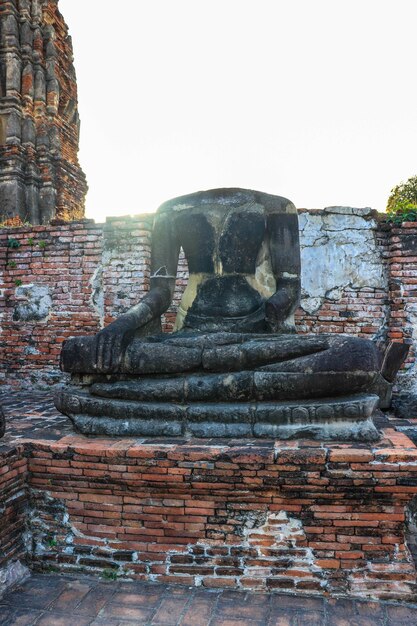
column 344, row 418
column 229, row 385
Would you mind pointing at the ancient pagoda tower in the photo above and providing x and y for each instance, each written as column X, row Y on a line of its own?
column 40, row 176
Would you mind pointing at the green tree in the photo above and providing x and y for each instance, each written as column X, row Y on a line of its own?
column 402, row 203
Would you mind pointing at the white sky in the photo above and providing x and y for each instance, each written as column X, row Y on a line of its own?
column 315, row 100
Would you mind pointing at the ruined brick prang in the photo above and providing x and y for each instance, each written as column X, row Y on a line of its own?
column 40, row 177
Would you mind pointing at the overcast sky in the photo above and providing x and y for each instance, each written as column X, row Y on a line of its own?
column 315, row 100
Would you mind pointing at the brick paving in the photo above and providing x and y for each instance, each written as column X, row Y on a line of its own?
column 51, row 600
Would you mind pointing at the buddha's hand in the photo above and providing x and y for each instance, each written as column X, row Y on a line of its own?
column 277, row 309
column 110, row 344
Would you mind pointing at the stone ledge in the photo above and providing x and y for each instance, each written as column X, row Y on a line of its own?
column 394, row 447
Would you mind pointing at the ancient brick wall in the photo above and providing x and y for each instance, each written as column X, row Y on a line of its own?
column 402, row 259
column 14, row 498
column 48, row 295
column 40, row 176
column 62, row 281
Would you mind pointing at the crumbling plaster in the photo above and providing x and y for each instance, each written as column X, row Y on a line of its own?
column 338, row 250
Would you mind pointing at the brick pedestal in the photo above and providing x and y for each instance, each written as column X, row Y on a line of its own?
column 295, row 516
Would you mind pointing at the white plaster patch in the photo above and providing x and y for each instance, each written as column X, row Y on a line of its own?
column 338, row 250
column 310, row 305
column 408, row 377
column 281, row 533
column 97, row 293
column 35, row 304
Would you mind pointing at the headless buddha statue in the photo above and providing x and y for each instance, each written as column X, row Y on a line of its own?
column 233, row 367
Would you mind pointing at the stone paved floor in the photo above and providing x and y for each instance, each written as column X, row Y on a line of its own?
column 31, row 414
column 51, row 600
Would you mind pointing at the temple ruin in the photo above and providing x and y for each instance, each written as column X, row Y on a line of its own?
column 40, row 176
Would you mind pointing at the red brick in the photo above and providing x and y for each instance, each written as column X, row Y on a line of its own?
column 350, row 455
column 328, row 563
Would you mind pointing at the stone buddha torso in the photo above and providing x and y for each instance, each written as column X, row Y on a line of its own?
column 226, row 284
column 239, row 248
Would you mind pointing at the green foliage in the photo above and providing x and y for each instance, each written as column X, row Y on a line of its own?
column 109, row 574
column 12, row 265
column 402, row 203
column 30, row 241
column 13, row 243
column 404, row 212
column 18, row 282
column 42, row 244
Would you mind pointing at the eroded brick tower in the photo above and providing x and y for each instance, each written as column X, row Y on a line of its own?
column 40, row 176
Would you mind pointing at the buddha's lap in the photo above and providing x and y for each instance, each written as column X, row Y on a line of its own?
column 181, row 352
column 224, row 352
